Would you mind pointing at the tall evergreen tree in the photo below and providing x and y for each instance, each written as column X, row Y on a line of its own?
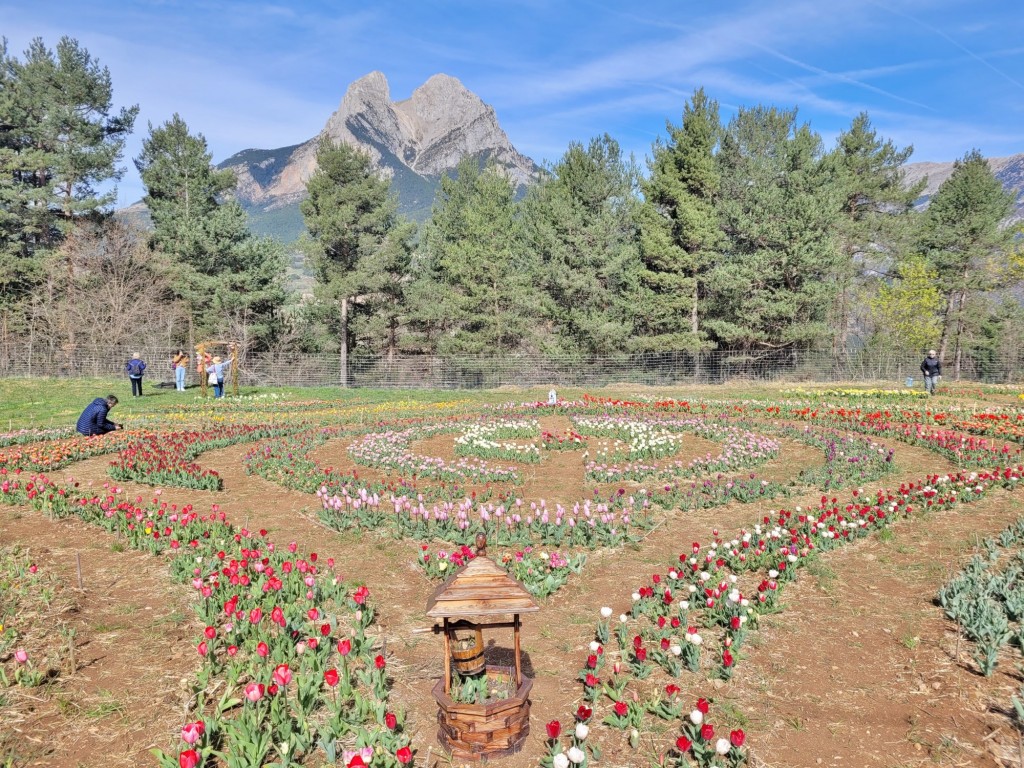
column 772, row 286
column 680, row 234
column 876, row 214
column 966, row 242
column 60, row 143
column 580, row 222
column 358, row 248
column 224, row 275
column 482, row 275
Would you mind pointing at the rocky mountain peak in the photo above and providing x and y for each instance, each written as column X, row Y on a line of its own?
column 413, row 142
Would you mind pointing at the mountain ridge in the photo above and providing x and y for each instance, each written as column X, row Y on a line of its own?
column 413, row 142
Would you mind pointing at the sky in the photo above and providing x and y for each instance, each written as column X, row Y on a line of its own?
column 945, row 76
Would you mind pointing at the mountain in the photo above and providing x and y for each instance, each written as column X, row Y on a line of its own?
column 1009, row 170
column 413, row 142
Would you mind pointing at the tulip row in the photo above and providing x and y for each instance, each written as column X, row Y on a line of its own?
column 288, row 636
column 985, row 598
column 167, row 458
column 702, row 590
column 541, row 573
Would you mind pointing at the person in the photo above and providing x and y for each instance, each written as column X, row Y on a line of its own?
column 179, row 364
column 217, row 371
column 931, row 367
column 552, row 397
column 135, row 368
column 94, row 421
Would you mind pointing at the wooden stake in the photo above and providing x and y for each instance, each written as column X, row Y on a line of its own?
column 78, row 566
column 515, row 632
column 447, row 659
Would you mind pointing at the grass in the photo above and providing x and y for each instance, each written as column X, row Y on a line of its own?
column 52, row 403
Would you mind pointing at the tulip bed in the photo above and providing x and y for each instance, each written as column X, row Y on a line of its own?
column 294, row 666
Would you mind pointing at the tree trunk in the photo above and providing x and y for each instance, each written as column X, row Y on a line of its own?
column 946, row 319
column 344, row 343
column 959, row 334
column 694, row 329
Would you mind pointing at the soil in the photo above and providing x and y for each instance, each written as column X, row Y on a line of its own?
column 860, row 669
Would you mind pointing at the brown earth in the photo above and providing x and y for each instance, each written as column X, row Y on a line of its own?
column 835, row 679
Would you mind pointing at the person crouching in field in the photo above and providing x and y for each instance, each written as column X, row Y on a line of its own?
column 94, row 421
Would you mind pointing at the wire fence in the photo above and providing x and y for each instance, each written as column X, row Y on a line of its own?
column 440, row 372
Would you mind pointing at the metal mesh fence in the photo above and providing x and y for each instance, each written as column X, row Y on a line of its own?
column 433, row 371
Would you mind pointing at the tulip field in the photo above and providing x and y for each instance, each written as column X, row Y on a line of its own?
column 726, row 577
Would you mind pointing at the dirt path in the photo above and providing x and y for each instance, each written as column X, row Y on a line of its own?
column 124, row 688
column 781, row 687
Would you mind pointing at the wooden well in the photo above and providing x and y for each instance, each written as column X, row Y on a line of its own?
column 477, row 731
column 476, row 596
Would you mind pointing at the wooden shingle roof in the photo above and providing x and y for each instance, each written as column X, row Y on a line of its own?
column 480, row 588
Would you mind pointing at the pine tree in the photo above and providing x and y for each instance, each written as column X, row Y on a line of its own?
column 358, row 248
column 580, row 222
column 680, row 234
column 223, row 274
column 481, row 275
column 60, row 143
column 772, row 288
column 965, row 240
column 876, row 215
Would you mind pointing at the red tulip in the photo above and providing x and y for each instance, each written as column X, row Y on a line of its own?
column 390, row 721
column 202, row 648
column 262, row 649
column 707, row 732
column 621, row 708
column 683, row 744
column 344, row 647
column 404, row 755
column 584, row 713
column 282, row 674
column 554, row 729
column 254, row 691
column 331, row 677
column 379, row 662
column 703, row 706
column 737, row 737
column 188, row 759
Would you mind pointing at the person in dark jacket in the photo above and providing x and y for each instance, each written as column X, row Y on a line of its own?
column 931, row 367
column 135, row 368
column 94, row 421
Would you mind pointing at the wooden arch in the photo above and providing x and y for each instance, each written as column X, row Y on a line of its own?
column 204, row 358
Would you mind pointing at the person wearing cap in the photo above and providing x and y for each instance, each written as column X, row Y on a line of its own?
column 217, row 371
column 931, row 367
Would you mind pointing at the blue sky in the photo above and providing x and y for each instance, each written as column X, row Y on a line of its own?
column 943, row 75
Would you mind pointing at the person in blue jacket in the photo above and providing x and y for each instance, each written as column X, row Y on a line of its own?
column 94, row 421
column 135, row 368
column 217, row 371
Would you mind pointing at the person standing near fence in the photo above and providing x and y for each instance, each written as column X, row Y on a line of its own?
column 180, row 365
column 217, row 371
column 931, row 368
column 135, row 368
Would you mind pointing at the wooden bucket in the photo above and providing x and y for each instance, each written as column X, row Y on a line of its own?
column 468, row 651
